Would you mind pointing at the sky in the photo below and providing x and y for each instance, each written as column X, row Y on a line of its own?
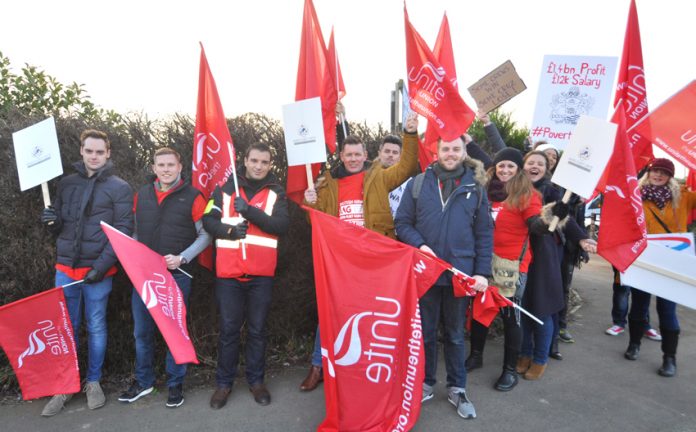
column 143, row 56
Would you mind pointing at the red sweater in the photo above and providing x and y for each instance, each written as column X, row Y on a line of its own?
column 511, row 231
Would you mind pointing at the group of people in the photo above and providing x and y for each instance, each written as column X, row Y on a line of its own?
column 494, row 226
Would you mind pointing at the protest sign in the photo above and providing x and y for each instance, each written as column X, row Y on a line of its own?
column 38, row 156
column 497, row 87
column 571, row 86
column 304, row 134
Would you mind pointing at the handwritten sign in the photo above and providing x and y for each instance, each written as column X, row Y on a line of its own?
column 497, row 87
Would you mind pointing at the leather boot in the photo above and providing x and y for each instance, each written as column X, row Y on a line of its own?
column 478, row 342
column 632, row 351
column 314, row 377
column 508, row 379
column 554, row 353
column 535, row 372
column 670, row 340
column 635, row 330
column 523, row 364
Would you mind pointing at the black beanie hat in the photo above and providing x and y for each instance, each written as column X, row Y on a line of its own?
column 509, row 154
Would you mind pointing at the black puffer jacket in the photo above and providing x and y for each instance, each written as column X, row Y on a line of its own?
column 81, row 203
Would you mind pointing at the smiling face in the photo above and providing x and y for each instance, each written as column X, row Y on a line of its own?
column 505, row 170
column 353, row 157
column 389, row 154
column 94, row 153
column 552, row 157
column 658, row 177
column 257, row 164
column 450, row 154
column 167, row 168
column 535, row 167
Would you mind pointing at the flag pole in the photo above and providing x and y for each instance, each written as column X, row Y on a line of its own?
column 236, row 189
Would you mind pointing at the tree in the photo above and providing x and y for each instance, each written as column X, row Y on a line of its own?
column 513, row 135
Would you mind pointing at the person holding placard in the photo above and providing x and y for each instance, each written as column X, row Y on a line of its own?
column 357, row 192
column 246, row 228
column 168, row 215
column 84, row 199
column 666, row 206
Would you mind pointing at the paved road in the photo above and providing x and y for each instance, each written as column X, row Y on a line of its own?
column 592, row 389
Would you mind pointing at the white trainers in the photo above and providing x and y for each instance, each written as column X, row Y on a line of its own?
column 56, row 404
column 95, row 395
column 427, row 392
column 614, row 330
column 652, row 334
column 465, row 408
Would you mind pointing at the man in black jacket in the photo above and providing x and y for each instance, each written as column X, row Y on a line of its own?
column 168, row 216
column 84, row 254
column 246, row 226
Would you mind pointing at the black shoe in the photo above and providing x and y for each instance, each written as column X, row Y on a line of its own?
column 474, row 361
column 669, row 366
column 176, row 396
column 556, row 355
column 134, row 392
column 632, row 351
column 507, row 381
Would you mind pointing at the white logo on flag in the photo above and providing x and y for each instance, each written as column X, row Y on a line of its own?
column 36, row 346
column 148, row 293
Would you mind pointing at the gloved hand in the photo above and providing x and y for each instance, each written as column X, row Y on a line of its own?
column 240, row 205
column 49, row 216
column 239, row 231
column 560, row 209
column 93, row 276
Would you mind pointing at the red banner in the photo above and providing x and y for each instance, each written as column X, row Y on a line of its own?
column 672, row 126
column 431, row 90
column 623, row 236
column 372, row 346
column 158, row 290
column 631, row 89
column 314, row 79
column 335, row 67
column 37, row 338
column 487, row 304
column 691, row 184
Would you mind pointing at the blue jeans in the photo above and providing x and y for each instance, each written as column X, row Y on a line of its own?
column 536, row 339
column 316, row 354
column 95, row 297
column 144, row 332
column 240, row 302
column 666, row 310
column 441, row 299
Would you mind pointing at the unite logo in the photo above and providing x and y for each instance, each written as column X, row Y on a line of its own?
column 380, row 348
column 206, row 162
column 634, row 196
column 51, row 339
column 429, row 79
column 155, row 292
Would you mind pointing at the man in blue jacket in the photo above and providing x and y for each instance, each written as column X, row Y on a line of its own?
column 84, row 199
column 447, row 216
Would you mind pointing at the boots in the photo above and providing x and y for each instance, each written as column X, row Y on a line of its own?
column 554, row 353
column 513, row 338
column 670, row 340
column 523, row 364
column 508, row 379
column 478, row 342
column 535, row 372
column 635, row 330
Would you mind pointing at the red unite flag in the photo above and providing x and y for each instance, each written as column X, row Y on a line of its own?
column 157, row 288
column 368, row 287
column 314, row 79
column 445, row 55
column 37, row 337
column 433, row 95
column 487, row 304
column 335, row 67
column 672, row 126
column 623, row 236
column 631, row 89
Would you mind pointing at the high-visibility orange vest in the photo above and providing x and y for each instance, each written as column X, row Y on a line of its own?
column 261, row 248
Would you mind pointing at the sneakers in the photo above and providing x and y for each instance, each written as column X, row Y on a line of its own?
column 56, row 404
column 176, row 396
column 465, row 408
column 134, row 392
column 565, row 336
column 427, row 392
column 95, row 395
column 614, row 330
column 652, row 334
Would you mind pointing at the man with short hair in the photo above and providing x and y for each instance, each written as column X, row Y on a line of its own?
column 84, row 199
column 168, row 213
column 449, row 218
column 246, row 229
column 358, row 192
column 389, row 152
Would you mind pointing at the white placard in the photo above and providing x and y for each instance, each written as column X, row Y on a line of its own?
column 586, row 156
column 571, row 86
column 37, row 154
column 679, row 242
column 665, row 269
column 304, row 132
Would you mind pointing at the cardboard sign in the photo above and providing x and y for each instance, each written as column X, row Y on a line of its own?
column 664, row 272
column 672, row 126
column 586, row 156
column 304, row 132
column 569, row 87
column 497, row 87
column 37, row 154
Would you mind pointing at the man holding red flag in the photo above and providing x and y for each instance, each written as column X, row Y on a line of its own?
column 448, row 217
column 168, row 213
column 246, row 227
column 84, row 199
